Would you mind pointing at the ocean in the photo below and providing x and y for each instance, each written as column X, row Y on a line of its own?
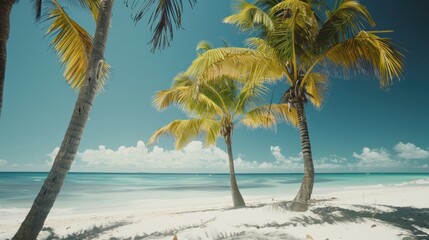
column 88, row 190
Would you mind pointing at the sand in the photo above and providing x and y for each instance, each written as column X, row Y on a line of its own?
column 378, row 212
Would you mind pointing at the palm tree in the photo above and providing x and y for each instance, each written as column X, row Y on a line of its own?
column 69, row 34
column 216, row 108
column 304, row 42
column 87, row 70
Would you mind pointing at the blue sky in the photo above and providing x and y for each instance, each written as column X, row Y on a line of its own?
column 360, row 127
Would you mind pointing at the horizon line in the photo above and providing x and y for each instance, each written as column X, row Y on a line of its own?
column 217, row 173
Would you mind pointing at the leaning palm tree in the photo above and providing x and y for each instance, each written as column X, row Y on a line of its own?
column 79, row 72
column 93, row 70
column 215, row 109
column 305, row 43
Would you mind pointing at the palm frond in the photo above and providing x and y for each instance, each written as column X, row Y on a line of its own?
column 346, row 19
column 184, row 131
column 166, row 15
column 90, row 5
column 266, row 5
column 182, row 79
column 296, row 27
column 188, row 99
column 203, row 46
column 212, row 131
column 316, row 85
column 369, row 54
column 249, row 16
column 261, row 45
column 236, row 63
column 222, row 91
column 73, row 45
column 283, row 112
column 259, row 117
column 37, row 6
column 252, row 94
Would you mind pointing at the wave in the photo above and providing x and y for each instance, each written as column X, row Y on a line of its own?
column 413, row 182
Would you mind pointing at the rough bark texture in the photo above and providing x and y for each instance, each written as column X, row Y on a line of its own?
column 44, row 201
column 235, row 192
column 5, row 8
column 300, row 203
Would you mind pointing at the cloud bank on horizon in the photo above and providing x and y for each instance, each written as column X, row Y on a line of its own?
column 194, row 157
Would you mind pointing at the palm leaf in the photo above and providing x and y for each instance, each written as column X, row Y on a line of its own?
column 346, row 20
column 182, row 79
column 261, row 45
column 184, row 94
column 316, row 86
column 296, row 28
column 249, row 16
column 73, row 45
column 184, row 131
column 369, row 54
column 258, row 117
column 237, row 63
column 37, row 5
column 203, row 46
column 283, row 112
column 252, row 94
column 166, row 14
column 90, row 5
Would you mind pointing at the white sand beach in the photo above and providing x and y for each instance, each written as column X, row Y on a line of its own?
column 379, row 212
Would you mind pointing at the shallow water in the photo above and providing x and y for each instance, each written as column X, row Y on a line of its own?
column 17, row 190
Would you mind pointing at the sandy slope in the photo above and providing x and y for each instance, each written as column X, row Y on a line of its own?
column 381, row 212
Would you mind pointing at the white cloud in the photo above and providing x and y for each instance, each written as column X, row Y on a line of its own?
column 3, row 162
column 52, row 156
column 276, row 151
column 295, row 163
column 333, row 161
column 374, row 158
column 410, row 151
column 194, row 157
column 243, row 164
column 285, row 161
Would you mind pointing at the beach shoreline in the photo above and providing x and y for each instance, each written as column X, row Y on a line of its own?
column 376, row 212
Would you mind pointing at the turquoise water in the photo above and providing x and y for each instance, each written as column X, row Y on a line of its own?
column 17, row 190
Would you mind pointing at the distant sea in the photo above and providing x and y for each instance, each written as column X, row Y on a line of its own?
column 18, row 189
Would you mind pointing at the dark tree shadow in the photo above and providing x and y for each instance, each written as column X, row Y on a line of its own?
column 254, row 235
column 84, row 234
column 412, row 220
column 407, row 218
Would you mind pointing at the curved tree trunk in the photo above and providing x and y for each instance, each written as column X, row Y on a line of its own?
column 44, row 201
column 300, row 203
column 5, row 8
column 237, row 199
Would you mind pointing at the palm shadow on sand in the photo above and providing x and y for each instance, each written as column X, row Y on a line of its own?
column 412, row 220
column 407, row 218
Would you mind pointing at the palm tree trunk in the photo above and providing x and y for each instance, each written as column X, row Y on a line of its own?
column 300, row 203
column 5, row 8
column 237, row 199
column 44, row 201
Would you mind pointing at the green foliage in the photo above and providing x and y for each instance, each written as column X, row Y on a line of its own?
column 217, row 105
column 305, row 42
